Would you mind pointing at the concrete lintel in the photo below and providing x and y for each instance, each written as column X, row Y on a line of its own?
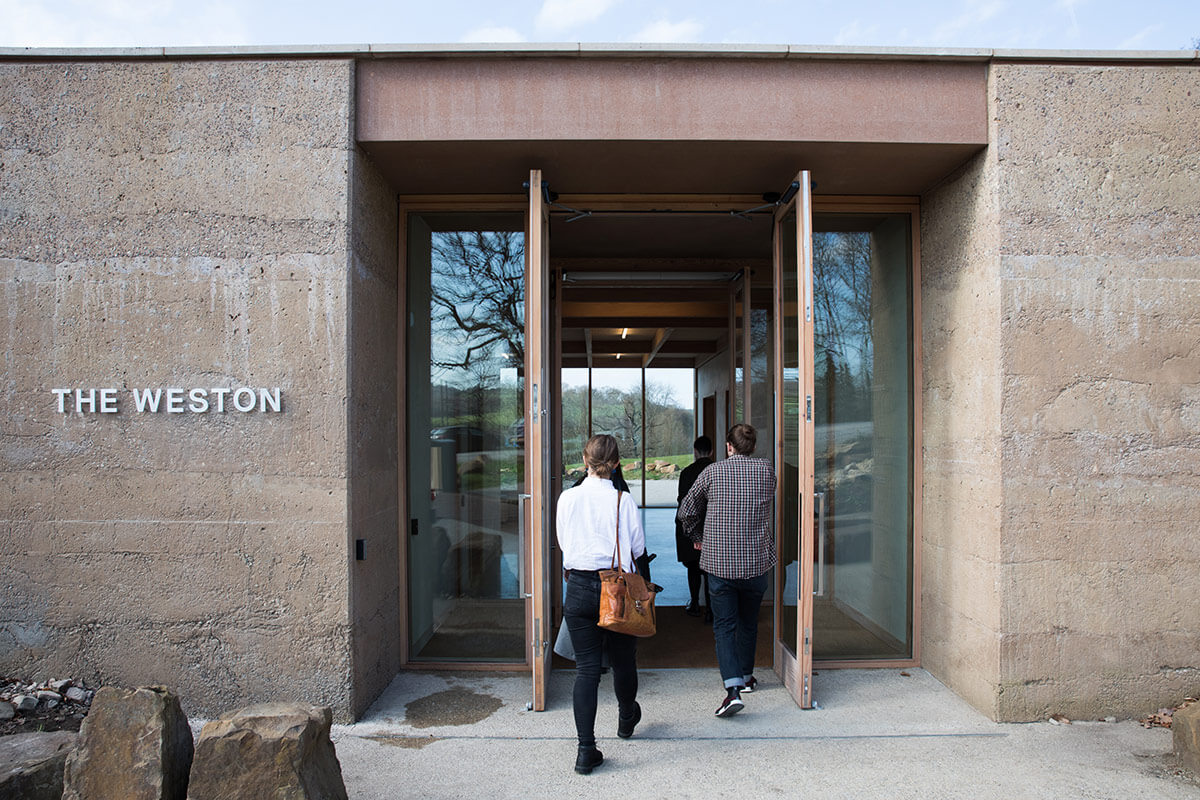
column 600, row 50
column 888, row 53
column 1092, row 56
column 318, row 50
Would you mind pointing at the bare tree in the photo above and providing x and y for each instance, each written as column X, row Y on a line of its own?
column 478, row 297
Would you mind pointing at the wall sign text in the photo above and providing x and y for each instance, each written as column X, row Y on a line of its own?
column 169, row 400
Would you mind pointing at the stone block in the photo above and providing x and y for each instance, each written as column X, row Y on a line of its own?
column 1185, row 735
column 279, row 750
column 31, row 764
column 134, row 745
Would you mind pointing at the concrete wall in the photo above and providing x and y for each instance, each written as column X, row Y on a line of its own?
column 176, row 224
column 373, row 404
column 1061, row 299
column 960, row 406
column 1100, row 421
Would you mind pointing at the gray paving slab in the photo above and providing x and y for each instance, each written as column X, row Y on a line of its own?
column 876, row 734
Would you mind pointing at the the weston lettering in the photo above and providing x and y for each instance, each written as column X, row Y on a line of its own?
column 170, row 400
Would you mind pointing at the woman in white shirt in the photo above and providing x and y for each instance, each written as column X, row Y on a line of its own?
column 588, row 535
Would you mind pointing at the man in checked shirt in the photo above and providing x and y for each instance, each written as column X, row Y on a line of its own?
column 726, row 514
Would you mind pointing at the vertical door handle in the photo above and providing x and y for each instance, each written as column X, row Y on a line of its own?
column 523, row 500
column 819, row 583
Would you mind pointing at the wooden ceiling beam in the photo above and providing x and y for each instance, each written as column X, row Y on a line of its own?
column 656, row 321
column 627, row 347
column 660, row 339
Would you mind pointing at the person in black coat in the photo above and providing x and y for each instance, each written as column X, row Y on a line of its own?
column 685, row 549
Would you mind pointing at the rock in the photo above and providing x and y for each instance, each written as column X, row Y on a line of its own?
column 49, row 698
column 1185, row 735
column 135, row 744
column 275, row 750
column 59, row 686
column 6, row 710
column 31, row 765
column 76, row 694
column 25, row 702
column 669, row 469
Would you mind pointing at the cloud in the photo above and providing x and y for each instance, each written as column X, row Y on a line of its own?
column 1069, row 7
column 666, row 32
column 492, row 34
column 563, row 15
column 856, row 33
column 969, row 25
column 1138, row 40
column 120, row 23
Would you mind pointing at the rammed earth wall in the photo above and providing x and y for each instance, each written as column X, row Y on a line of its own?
column 1061, row 294
column 177, row 224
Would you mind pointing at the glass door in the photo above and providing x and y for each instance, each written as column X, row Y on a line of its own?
column 465, row 395
column 863, row 418
column 794, row 501
column 538, row 438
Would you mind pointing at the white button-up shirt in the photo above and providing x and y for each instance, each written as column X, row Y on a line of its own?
column 587, row 525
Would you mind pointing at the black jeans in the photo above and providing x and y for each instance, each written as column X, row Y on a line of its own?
column 735, row 606
column 581, row 610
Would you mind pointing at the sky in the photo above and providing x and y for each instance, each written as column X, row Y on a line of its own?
column 1020, row 24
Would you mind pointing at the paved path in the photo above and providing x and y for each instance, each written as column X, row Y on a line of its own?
column 878, row 734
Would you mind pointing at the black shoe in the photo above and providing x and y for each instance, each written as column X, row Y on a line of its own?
column 750, row 686
column 588, row 759
column 625, row 726
column 731, row 705
column 692, row 609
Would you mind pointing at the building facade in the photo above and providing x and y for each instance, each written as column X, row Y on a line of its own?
column 216, row 276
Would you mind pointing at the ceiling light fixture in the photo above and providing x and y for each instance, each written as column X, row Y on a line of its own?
column 624, row 332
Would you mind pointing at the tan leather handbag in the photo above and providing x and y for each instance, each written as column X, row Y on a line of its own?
column 626, row 599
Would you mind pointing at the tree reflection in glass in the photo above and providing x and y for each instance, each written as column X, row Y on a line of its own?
column 467, row 318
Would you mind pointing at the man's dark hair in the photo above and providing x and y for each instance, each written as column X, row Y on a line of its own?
column 743, row 437
column 703, row 446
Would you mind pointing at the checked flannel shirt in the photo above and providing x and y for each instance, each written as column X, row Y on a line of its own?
column 728, row 511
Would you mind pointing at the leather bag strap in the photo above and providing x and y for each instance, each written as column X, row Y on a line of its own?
column 616, row 559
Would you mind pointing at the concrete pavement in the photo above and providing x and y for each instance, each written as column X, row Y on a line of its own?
column 877, row 734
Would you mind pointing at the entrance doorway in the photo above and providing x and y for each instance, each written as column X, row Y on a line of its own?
column 797, row 321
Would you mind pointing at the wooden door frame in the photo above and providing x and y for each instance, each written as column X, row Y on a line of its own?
column 417, row 204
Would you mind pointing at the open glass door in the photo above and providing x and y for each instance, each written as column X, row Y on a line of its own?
column 538, row 428
column 794, row 502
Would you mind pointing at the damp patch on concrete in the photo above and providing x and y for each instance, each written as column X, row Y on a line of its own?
column 407, row 742
column 456, row 706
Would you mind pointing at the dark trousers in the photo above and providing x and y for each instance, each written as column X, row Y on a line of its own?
column 735, row 606
column 581, row 610
column 695, row 575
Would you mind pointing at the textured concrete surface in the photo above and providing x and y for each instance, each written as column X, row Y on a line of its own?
column 1059, row 303
column 960, row 409
column 372, row 420
column 1100, row 296
column 877, row 734
column 176, row 224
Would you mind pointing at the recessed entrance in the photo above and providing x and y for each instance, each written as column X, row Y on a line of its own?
column 645, row 293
